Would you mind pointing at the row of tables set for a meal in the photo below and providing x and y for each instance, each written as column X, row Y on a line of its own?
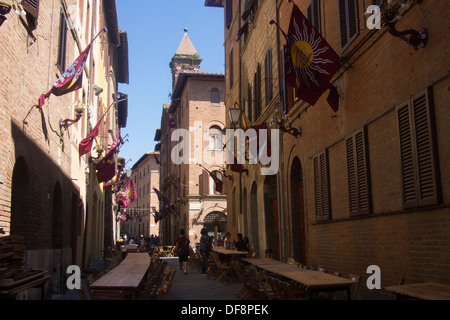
column 314, row 281
column 131, row 272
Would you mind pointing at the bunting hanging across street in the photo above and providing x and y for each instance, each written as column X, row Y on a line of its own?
column 310, row 62
column 72, row 79
column 85, row 145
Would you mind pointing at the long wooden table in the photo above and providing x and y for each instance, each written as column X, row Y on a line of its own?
column 313, row 281
column 422, row 291
column 127, row 276
column 224, row 251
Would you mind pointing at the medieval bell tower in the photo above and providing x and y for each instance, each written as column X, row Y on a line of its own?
column 186, row 59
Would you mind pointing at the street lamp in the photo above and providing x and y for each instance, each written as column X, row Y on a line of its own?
column 235, row 116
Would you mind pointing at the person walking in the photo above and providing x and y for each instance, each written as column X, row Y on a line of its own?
column 205, row 248
column 182, row 250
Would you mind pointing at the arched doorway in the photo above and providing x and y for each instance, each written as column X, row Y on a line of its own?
column 245, row 212
column 19, row 193
column 57, row 238
column 254, row 232
column 298, row 229
column 216, row 223
column 271, row 216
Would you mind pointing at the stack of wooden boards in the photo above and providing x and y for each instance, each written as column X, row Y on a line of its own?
column 14, row 277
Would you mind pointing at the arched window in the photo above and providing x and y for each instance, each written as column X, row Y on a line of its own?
column 213, row 188
column 215, row 138
column 215, row 96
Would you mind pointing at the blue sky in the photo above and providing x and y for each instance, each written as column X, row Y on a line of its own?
column 155, row 30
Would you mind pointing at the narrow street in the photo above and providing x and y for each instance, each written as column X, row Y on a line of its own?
column 195, row 286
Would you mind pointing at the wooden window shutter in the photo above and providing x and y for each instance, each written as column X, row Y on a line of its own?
column 268, row 76
column 314, row 14
column 61, row 64
column 229, row 13
column 258, row 90
column 231, row 68
column 250, row 102
column 321, row 187
column 32, row 7
column 205, row 182
column 358, row 173
column 420, row 170
column 349, row 21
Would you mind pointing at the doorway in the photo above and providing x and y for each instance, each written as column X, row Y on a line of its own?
column 298, row 228
column 272, row 217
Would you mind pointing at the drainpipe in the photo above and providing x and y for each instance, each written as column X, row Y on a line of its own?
column 282, row 210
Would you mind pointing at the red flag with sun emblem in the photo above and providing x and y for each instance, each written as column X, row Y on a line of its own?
column 128, row 193
column 310, row 62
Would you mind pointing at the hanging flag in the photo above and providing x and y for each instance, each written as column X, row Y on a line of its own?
column 310, row 62
column 158, row 216
column 156, row 159
column 246, row 123
column 167, row 203
column 85, row 145
column 128, row 193
column 218, row 184
column 171, row 120
column 113, row 181
column 179, row 197
column 236, row 167
column 107, row 166
column 72, row 79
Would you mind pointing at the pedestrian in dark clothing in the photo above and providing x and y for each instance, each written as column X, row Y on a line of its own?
column 182, row 250
column 240, row 245
column 205, row 248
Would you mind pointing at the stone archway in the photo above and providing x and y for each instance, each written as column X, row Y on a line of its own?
column 298, row 228
column 254, row 231
column 216, row 223
column 272, row 216
column 19, row 198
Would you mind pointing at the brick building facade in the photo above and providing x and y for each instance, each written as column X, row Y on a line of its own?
column 368, row 184
column 197, row 107
column 145, row 175
column 50, row 196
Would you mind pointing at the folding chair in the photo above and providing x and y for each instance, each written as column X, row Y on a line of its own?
column 220, row 269
column 355, row 278
column 260, row 289
column 245, row 290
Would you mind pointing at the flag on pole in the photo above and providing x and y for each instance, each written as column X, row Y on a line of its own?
column 128, row 193
column 106, row 167
column 85, row 145
column 158, row 216
column 113, row 181
column 218, row 184
column 72, row 79
column 246, row 123
column 237, row 167
column 167, row 203
column 310, row 62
